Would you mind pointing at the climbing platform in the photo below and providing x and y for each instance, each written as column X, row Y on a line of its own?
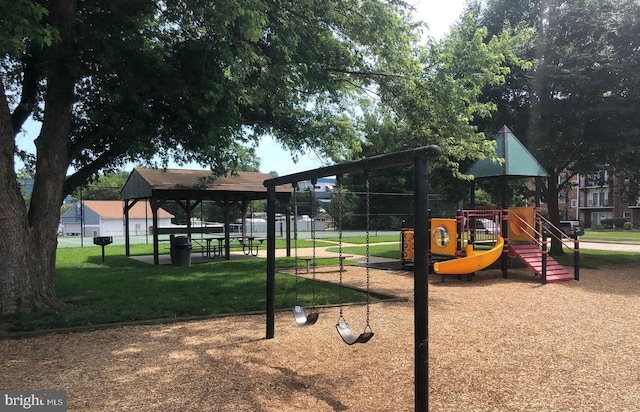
column 531, row 255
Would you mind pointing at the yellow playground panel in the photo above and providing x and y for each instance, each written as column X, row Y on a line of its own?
column 444, row 236
column 521, row 224
column 443, row 239
column 407, row 245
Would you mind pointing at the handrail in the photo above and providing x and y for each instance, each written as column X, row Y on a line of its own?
column 563, row 236
column 539, row 235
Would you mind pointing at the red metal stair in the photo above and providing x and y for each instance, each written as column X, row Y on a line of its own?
column 531, row 255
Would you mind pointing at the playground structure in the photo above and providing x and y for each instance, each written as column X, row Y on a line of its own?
column 509, row 232
column 474, row 240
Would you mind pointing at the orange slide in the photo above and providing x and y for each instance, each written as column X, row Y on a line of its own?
column 474, row 261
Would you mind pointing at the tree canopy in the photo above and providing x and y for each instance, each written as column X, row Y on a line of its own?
column 148, row 81
column 576, row 108
column 438, row 102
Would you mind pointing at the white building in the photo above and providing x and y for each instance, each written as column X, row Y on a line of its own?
column 106, row 218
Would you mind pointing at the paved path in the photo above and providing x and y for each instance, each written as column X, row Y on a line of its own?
column 620, row 247
column 323, row 252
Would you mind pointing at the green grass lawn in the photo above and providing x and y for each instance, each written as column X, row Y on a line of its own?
column 122, row 289
column 593, row 259
column 612, row 236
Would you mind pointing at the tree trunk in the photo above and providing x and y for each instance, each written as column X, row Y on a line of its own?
column 551, row 195
column 29, row 237
column 27, row 254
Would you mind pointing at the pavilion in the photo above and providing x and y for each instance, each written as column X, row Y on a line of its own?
column 189, row 188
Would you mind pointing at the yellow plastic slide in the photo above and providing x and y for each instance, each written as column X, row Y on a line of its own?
column 474, row 261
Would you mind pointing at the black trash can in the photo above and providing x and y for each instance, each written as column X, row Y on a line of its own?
column 182, row 251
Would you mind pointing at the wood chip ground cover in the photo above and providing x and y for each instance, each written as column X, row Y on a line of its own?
column 494, row 345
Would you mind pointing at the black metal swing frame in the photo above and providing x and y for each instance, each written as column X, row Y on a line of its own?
column 420, row 158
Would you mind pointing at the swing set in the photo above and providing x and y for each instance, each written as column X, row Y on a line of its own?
column 300, row 316
column 419, row 157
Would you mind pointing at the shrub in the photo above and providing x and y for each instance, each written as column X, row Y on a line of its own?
column 627, row 226
column 597, row 228
column 607, row 223
column 619, row 222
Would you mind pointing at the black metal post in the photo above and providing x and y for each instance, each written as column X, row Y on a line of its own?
column 81, row 220
column 154, row 219
column 127, row 242
column 576, row 257
column 146, row 224
column 505, row 227
column 227, row 232
column 429, row 257
column 271, row 261
column 420, row 283
column 459, row 229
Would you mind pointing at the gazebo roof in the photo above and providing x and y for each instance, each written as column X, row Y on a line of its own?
column 181, row 184
column 518, row 161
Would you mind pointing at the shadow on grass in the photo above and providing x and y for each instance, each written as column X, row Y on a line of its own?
column 122, row 289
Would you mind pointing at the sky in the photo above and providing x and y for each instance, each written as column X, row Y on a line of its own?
column 439, row 16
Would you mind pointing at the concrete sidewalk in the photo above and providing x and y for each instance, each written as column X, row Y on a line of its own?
column 323, row 252
column 619, row 247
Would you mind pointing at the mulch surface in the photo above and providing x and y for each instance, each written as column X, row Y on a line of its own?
column 494, row 345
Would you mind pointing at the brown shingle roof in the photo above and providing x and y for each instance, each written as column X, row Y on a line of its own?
column 143, row 181
column 199, row 179
column 114, row 209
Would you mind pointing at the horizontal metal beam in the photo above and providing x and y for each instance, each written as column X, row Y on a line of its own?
column 384, row 161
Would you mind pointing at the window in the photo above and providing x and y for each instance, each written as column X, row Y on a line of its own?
column 574, row 203
column 562, row 177
column 562, row 197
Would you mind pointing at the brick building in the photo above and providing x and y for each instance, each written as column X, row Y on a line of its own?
column 595, row 197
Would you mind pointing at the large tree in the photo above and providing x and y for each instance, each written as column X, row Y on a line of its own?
column 118, row 81
column 576, row 110
column 436, row 101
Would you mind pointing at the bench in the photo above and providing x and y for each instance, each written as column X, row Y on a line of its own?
column 308, row 260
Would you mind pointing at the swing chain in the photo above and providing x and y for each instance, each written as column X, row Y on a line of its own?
column 341, row 268
column 368, row 209
column 295, row 237
column 313, row 239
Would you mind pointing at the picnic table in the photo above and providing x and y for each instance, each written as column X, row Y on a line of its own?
column 215, row 245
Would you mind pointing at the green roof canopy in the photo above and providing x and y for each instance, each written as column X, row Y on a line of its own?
column 518, row 161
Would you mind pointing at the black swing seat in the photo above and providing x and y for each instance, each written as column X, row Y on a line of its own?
column 302, row 319
column 349, row 337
